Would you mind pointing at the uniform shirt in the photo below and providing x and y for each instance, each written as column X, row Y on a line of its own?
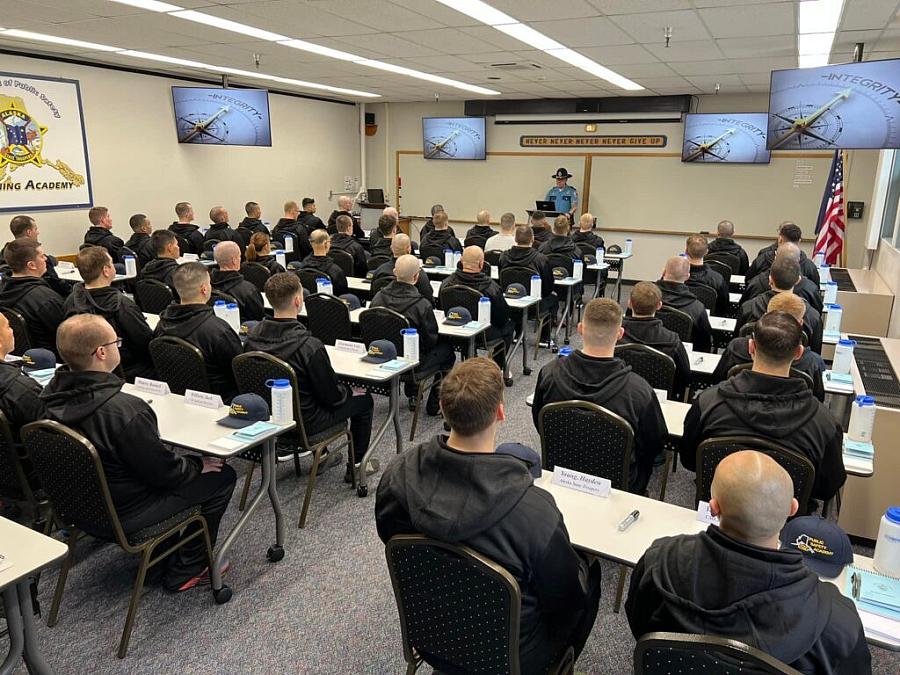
column 565, row 198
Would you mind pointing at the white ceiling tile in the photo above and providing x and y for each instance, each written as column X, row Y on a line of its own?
column 434, row 11
column 447, row 41
column 611, row 56
column 774, row 45
column 491, row 36
column 545, row 10
column 307, row 20
column 697, row 50
column 645, row 70
column 443, row 63
column 637, row 6
column 494, row 57
column 648, row 27
column 595, row 31
column 849, row 38
column 722, row 3
column 756, row 79
column 377, row 45
column 728, row 83
column 726, row 66
column 47, row 10
column 750, row 20
column 864, row 14
column 380, row 14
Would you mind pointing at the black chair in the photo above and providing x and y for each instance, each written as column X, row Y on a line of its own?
column 596, row 277
column 794, row 373
column 256, row 273
column 478, row 240
column 380, row 282
column 153, row 296
column 343, row 260
column 459, row 611
column 522, row 275
column 218, row 296
column 179, row 364
column 463, row 296
column 20, row 330
column 560, row 260
column 492, row 257
column 721, row 267
column 733, row 262
column 677, row 321
column 651, row 364
column 70, row 471
column 308, row 276
column 431, row 249
column 713, row 450
column 680, row 654
column 208, row 246
column 328, row 318
column 251, row 372
column 375, row 262
column 381, row 323
column 17, row 486
column 705, row 294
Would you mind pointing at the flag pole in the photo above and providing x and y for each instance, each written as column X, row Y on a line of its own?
column 844, row 159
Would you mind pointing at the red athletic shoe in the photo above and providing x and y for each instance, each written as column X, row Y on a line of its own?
column 202, row 579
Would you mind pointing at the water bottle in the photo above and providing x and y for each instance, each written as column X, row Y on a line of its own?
column 833, row 319
column 448, row 258
column 282, row 395
column 824, row 273
column 564, row 351
column 484, row 310
column 410, row 344
column 578, row 269
column 831, row 289
column 457, row 256
column 219, row 309
column 887, row 546
column 535, row 286
column 324, row 286
column 601, row 254
column 628, row 245
column 130, row 266
column 843, row 356
column 289, row 243
column 233, row 317
column 862, row 419
column 819, row 258
column 281, row 258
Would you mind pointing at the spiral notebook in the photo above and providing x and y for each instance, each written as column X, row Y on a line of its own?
column 874, row 592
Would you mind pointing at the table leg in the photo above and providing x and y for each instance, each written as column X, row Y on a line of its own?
column 15, row 630
column 565, row 315
column 33, row 657
column 619, row 280
column 362, row 488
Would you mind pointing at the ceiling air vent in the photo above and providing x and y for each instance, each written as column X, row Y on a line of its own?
column 514, row 65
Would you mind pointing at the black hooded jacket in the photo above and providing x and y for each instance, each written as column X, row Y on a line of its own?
column 589, row 237
column 270, row 263
column 126, row 319
column 218, row 343
column 19, row 398
column 713, row 584
column 422, row 283
column 100, row 236
column 249, row 299
column 160, row 269
column 560, row 245
column 140, row 245
column 429, row 227
column 487, row 501
column 479, row 234
column 224, row 232
column 440, row 239
column 310, row 221
column 650, row 331
column 248, row 227
column 704, row 274
column 805, row 288
column 520, row 256
column 489, row 288
column 728, row 245
column 190, row 234
column 302, row 247
column 753, row 309
column 349, row 244
column 780, row 409
column 323, row 263
column 407, row 300
column 609, row 383
column 123, row 429
column 679, row 296
column 767, row 256
column 541, row 234
column 332, row 223
column 39, row 305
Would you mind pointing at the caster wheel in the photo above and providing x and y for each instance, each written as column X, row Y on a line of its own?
column 566, row 340
column 275, row 553
column 554, row 349
column 222, row 595
column 526, row 371
column 362, row 491
column 508, row 382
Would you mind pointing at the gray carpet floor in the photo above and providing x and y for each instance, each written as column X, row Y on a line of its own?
column 327, row 607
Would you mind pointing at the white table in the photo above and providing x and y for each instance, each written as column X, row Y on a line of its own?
column 28, row 551
column 460, row 333
column 721, row 323
column 522, row 305
column 568, row 284
column 171, row 413
column 597, row 267
column 444, row 271
column 620, row 258
column 72, row 274
column 734, row 298
column 703, row 363
column 865, row 563
column 739, row 280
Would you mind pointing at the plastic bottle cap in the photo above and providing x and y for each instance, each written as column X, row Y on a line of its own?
column 410, row 331
column 231, row 305
column 535, row 276
column 129, row 257
column 824, row 265
column 865, row 400
column 280, row 384
column 893, row 514
column 833, row 307
column 219, row 303
column 831, row 283
column 845, row 342
column 279, row 251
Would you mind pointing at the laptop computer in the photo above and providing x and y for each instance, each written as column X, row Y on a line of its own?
column 541, row 205
column 375, row 196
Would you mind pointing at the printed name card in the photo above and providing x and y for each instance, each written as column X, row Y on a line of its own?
column 704, row 515
column 65, row 265
column 583, row 482
column 203, row 399
column 151, row 386
column 661, row 394
column 350, row 347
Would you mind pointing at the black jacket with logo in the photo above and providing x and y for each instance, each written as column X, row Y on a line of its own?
column 349, row 244
column 805, row 288
column 489, row 288
column 704, row 274
column 100, row 236
column 649, row 331
column 679, row 296
column 440, row 239
column 323, row 263
column 160, row 269
column 302, row 247
column 39, row 305
column 250, row 226
column 332, row 223
column 310, row 221
column 191, row 235
column 270, row 263
column 249, row 299
column 19, row 398
column 541, row 234
column 728, row 245
column 422, row 283
column 140, row 245
column 560, row 245
column 753, row 309
column 406, row 299
column 531, row 258
column 589, row 237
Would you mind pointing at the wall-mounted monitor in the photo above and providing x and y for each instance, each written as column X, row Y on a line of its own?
column 453, row 137
column 222, row 116
column 851, row 105
column 725, row 138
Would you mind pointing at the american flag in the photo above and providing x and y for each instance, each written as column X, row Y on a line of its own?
column 832, row 221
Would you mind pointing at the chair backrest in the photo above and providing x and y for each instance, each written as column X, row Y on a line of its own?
column 651, row 364
column 587, row 249
column 13, row 481
column 588, row 438
column 560, row 260
column 218, row 296
column 380, row 282
column 458, row 610
column 713, row 450
column 256, row 273
column 460, row 296
column 153, row 296
column 328, row 318
column 343, row 260
column 514, row 274
column 180, row 364
column 431, row 249
column 492, row 257
column 375, row 262
column 20, row 330
column 308, row 276
column 733, row 262
column 705, row 294
column 71, row 473
column 721, row 267
column 676, row 320
column 678, row 653
column 794, row 373
column 478, row 240
column 381, row 323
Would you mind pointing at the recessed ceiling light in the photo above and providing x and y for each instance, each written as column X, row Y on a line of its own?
column 530, row 36
column 480, row 11
column 233, row 26
column 817, row 22
column 40, row 37
column 167, row 59
column 319, row 49
column 152, row 5
column 428, row 77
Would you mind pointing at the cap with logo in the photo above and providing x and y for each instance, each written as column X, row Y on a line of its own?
column 350, row 300
column 246, row 409
column 825, row 546
column 432, row 261
column 515, row 291
column 248, row 326
column 457, row 316
column 560, row 273
column 38, row 359
column 380, row 351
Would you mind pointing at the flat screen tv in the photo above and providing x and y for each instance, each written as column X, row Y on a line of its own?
column 848, row 106
column 222, row 116
column 725, row 138
column 453, row 137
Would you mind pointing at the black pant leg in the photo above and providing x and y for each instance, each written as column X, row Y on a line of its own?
column 358, row 409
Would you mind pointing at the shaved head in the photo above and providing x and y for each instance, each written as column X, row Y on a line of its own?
column 788, row 250
column 483, row 217
column 725, row 228
column 677, row 269
column 586, row 222
column 753, row 495
column 400, row 245
column 391, row 212
column 227, row 255
column 472, row 258
column 345, row 203
column 406, row 269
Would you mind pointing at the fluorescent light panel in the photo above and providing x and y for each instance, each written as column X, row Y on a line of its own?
column 40, row 37
column 480, row 11
column 152, row 5
column 233, row 26
column 817, row 22
column 322, row 51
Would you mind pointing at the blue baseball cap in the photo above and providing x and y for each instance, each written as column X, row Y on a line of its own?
column 246, row 409
column 38, row 359
column 515, row 291
column 825, row 547
column 457, row 316
column 380, row 351
column 350, row 300
column 248, row 326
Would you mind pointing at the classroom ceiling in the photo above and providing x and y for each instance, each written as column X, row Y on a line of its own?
column 732, row 43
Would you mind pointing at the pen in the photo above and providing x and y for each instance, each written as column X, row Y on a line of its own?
column 630, row 520
column 698, row 361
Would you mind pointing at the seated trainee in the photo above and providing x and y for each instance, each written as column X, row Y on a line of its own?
column 457, row 489
column 401, row 245
column 229, row 280
column 162, row 267
column 319, row 261
column 677, row 294
column 19, row 394
column 26, row 227
column 259, row 250
column 140, row 243
column 734, row 580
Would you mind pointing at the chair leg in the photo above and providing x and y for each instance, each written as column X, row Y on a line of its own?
column 351, row 453
column 310, row 484
column 61, row 580
column 665, row 476
column 621, row 589
column 135, row 600
column 297, row 462
column 415, row 419
column 248, row 477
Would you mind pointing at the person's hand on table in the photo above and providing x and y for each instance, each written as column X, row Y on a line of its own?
column 212, row 465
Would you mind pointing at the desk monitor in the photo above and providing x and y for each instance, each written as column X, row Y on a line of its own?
column 541, row 205
column 453, row 137
column 725, row 138
column 375, row 196
column 222, row 116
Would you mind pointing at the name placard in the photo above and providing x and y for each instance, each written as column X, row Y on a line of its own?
column 152, row 386
column 704, row 515
column 583, row 482
column 203, row 399
column 350, row 347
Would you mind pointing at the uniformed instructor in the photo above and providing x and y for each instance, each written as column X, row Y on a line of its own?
column 563, row 195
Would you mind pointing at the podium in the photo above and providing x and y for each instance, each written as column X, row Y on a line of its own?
column 549, row 214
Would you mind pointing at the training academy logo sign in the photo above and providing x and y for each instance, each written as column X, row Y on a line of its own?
column 43, row 150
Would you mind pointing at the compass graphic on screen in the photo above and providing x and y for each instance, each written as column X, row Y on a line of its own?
column 730, row 138
column 220, row 118
column 453, row 139
column 708, row 148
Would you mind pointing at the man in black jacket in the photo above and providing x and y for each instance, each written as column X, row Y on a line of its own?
column 220, row 230
column 788, row 232
column 345, row 203
column 439, row 239
column 540, row 228
column 380, row 240
column 164, row 265
column 695, row 249
column 148, row 482
column 97, row 296
column 193, row 320
column 251, row 224
column 429, row 224
column 319, row 261
column 481, row 232
column 724, row 243
column 190, row 238
column 586, row 233
column 27, row 227
column 472, row 276
column 594, row 374
column 560, row 243
column 805, row 288
column 735, row 581
column 140, row 243
column 643, row 328
column 401, row 245
column 768, row 403
column 343, row 240
column 402, row 296
column 100, row 233
column 288, row 225
column 324, row 402
column 229, row 280
column 457, row 489
column 28, row 293
column 19, row 394
column 308, row 217
column 675, row 293
column 523, row 254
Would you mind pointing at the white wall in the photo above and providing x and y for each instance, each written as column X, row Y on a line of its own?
column 137, row 165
